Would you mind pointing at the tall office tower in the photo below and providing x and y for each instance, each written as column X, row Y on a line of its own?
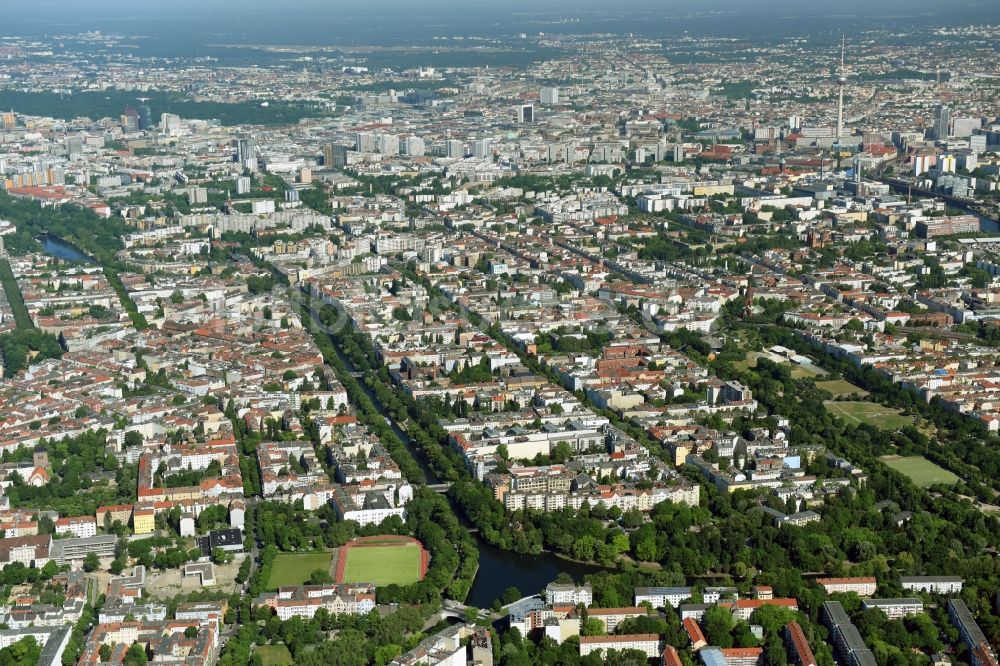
column 170, row 123
column 456, row 148
column 965, row 127
column 942, row 123
column 243, row 185
column 74, row 147
column 339, row 156
column 365, row 142
column 7, row 119
column 388, row 144
column 526, row 113
column 549, row 96
column 327, row 154
column 197, row 195
column 145, row 115
column 246, row 152
column 794, row 123
column 130, row 119
column 482, row 149
column 415, row 146
column 841, row 82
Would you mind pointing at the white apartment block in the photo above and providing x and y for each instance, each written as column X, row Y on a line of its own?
column 659, row 597
column 894, row 609
column 648, row 644
column 863, row 586
column 558, row 594
column 932, row 584
column 81, row 526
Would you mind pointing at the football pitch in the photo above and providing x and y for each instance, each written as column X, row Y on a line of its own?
column 920, row 470
column 871, row 413
column 383, row 565
column 295, row 568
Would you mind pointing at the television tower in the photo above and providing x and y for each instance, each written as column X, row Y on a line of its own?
column 841, row 82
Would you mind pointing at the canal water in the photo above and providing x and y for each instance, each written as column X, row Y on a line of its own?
column 60, row 249
column 498, row 569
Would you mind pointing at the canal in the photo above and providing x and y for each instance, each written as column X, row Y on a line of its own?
column 498, row 569
column 60, row 249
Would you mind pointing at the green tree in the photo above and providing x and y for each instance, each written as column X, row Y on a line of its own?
column 718, row 626
column 136, row 656
column 91, row 562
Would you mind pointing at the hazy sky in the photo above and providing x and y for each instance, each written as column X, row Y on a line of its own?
column 316, row 21
column 75, row 9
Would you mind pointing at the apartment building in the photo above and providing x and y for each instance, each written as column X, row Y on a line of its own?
column 659, row 597
column 560, row 594
column 846, row 639
column 863, row 586
column 796, row 640
column 612, row 617
column 648, row 644
column 932, row 584
column 894, row 609
column 305, row 600
column 981, row 652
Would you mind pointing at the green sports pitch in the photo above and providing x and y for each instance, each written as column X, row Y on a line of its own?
column 383, row 565
column 880, row 416
column 295, row 568
column 920, row 470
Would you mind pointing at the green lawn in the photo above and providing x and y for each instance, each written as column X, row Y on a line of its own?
column 920, row 470
column 274, row 655
column 295, row 568
column 383, row 565
column 841, row 387
column 871, row 413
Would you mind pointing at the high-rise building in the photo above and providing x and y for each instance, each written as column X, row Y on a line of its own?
column 74, row 147
column 7, row 119
column 549, row 96
column 197, row 195
column 145, row 117
column 339, row 156
column 243, row 185
column 170, row 123
column 482, row 149
column 415, row 146
column 365, row 142
column 246, row 152
column 456, row 148
column 130, row 119
column 388, row 144
column 964, row 127
column 942, row 123
column 526, row 113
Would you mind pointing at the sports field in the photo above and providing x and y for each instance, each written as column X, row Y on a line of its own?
column 871, row 413
column 382, row 560
column 920, row 470
column 295, row 568
column 274, row 655
column 841, row 388
column 383, row 565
